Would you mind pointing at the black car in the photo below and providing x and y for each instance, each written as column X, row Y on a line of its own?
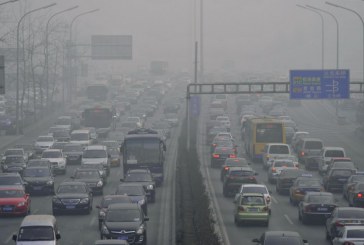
column 280, row 237
column 220, row 154
column 232, row 162
column 72, row 197
column 337, row 177
column 39, row 180
column 13, row 163
column 316, row 205
column 108, row 200
column 73, row 153
column 91, row 177
column 136, row 192
column 235, row 177
column 144, row 177
column 125, row 222
column 99, row 167
column 285, row 180
column 353, row 179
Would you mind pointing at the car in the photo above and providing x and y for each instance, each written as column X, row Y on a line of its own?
column 136, row 192
column 349, row 235
column 42, row 143
column 115, row 158
column 225, row 120
column 341, row 163
column 99, row 167
column 213, row 132
column 287, row 177
column 277, row 166
column 302, row 185
column 91, row 177
column 15, row 152
column 352, row 180
column 59, row 145
column 128, row 217
column 81, row 137
column 106, row 201
column 223, row 142
column 39, row 180
column 280, row 237
column 39, row 163
column 13, row 163
column 96, row 154
column 343, row 216
column 144, row 177
column 220, row 154
column 256, row 188
column 111, row 144
column 14, row 201
column 273, row 151
column 356, row 195
column 337, row 177
column 307, row 148
column 235, row 177
column 73, row 153
column 55, row 156
column 251, row 207
column 327, row 153
column 232, row 162
column 297, row 136
column 72, row 197
column 316, row 205
column 12, row 179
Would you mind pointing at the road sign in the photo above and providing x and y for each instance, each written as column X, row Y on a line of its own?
column 112, row 47
column 319, row 84
column 195, row 104
column 2, row 75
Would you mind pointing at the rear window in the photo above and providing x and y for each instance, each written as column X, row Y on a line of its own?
column 335, row 153
column 255, row 189
column 342, row 173
column 279, row 149
column 313, row 145
column 283, row 240
column 355, row 234
column 241, row 173
column 351, row 214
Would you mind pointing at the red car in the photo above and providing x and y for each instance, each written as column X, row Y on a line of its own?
column 14, row 201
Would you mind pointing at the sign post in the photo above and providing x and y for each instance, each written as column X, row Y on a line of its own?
column 195, row 104
column 2, row 75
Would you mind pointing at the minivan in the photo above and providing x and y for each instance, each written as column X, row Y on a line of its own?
column 38, row 229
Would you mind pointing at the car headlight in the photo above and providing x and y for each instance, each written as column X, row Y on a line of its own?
column 20, row 204
column 141, row 202
column 102, row 214
column 150, row 187
column 50, row 182
column 140, row 230
column 104, row 230
column 56, row 200
column 99, row 184
column 84, row 200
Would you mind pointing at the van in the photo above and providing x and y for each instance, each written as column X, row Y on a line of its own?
column 38, row 229
column 307, row 149
column 82, row 137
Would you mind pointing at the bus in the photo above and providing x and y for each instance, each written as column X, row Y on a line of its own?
column 144, row 148
column 100, row 118
column 260, row 131
column 97, row 92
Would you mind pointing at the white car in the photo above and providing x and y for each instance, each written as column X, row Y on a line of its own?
column 256, row 188
column 273, row 151
column 96, row 154
column 57, row 160
column 81, row 137
column 353, row 235
column 43, row 142
column 277, row 166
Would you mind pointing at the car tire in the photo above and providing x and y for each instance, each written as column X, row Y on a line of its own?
column 145, row 239
column 236, row 222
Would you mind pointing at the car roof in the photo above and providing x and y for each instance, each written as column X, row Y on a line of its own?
column 141, row 170
column 311, row 139
column 77, row 131
column 252, row 194
column 11, row 187
column 95, row 147
column 52, row 150
column 38, row 220
column 254, row 185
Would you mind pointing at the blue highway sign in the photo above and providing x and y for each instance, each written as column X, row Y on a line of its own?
column 319, row 84
column 195, row 104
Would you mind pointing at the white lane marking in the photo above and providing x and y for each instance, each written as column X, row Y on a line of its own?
column 288, row 219
column 274, row 200
column 93, row 220
column 9, row 238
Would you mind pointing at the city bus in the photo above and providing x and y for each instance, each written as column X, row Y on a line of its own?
column 97, row 92
column 144, row 148
column 260, row 131
column 100, row 118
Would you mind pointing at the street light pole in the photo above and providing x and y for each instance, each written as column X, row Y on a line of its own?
column 17, row 60
column 47, row 50
column 323, row 36
column 361, row 19
column 11, row 1
column 69, row 51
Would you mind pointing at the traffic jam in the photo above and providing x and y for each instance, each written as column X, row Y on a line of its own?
column 262, row 157
column 102, row 158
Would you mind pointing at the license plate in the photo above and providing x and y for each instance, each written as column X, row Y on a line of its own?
column 253, row 209
column 70, row 206
column 37, row 188
column 322, row 209
column 7, row 209
column 123, row 238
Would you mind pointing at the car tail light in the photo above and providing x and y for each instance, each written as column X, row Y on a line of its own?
column 302, row 153
column 274, row 170
column 267, row 199
column 215, row 155
column 226, row 168
column 252, row 178
column 337, row 223
column 232, row 156
column 359, row 195
column 265, row 209
column 241, row 208
column 214, row 145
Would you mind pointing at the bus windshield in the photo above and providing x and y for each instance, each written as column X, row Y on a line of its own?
column 97, row 117
column 269, row 133
column 142, row 151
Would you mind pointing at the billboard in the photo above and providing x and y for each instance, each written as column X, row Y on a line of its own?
column 111, row 47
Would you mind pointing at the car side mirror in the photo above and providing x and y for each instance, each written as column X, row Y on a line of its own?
column 15, row 237
column 305, row 241
column 58, row 236
column 146, row 218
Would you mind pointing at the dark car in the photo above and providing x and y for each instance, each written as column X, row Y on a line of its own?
column 39, row 180
column 99, row 167
column 235, row 177
column 280, row 238
column 285, row 180
column 72, row 197
column 73, row 153
column 356, row 195
column 213, row 132
column 316, row 205
column 337, row 177
column 13, row 163
column 91, row 177
column 342, row 216
column 136, row 192
column 220, row 154
column 352, row 180
column 125, row 222
column 232, row 162
column 144, row 177
column 108, row 200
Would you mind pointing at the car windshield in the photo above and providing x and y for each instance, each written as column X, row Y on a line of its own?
column 72, row 148
column 71, row 189
column 94, row 154
column 342, row 173
column 123, row 215
column 313, row 145
column 14, row 159
column 52, row 154
column 13, row 152
column 334, row 153
column 79, row 136
column 283, row 240
column 39, row 162
column 10, row 180
column 321, row 199
column 283, row 164
column 279, row 149
column 138, row 177
column 309, row 182
column 36, row 233
column 255, row 189
column 252, row 200
column 45, row 139
column 111, row 200
column 87, row 174
column 11, row 193
column 36, row 172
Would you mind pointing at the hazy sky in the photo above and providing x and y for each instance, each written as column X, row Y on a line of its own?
column 254, row 35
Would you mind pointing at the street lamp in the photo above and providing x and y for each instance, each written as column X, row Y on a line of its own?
column 47, row 51
column 362, row 21
column 69, row 50
column 17, row 60
column 11, row 1
column 322, row 27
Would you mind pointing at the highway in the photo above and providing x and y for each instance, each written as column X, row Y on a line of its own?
column 316, row 117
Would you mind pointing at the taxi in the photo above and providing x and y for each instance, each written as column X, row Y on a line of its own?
column 302, row 185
